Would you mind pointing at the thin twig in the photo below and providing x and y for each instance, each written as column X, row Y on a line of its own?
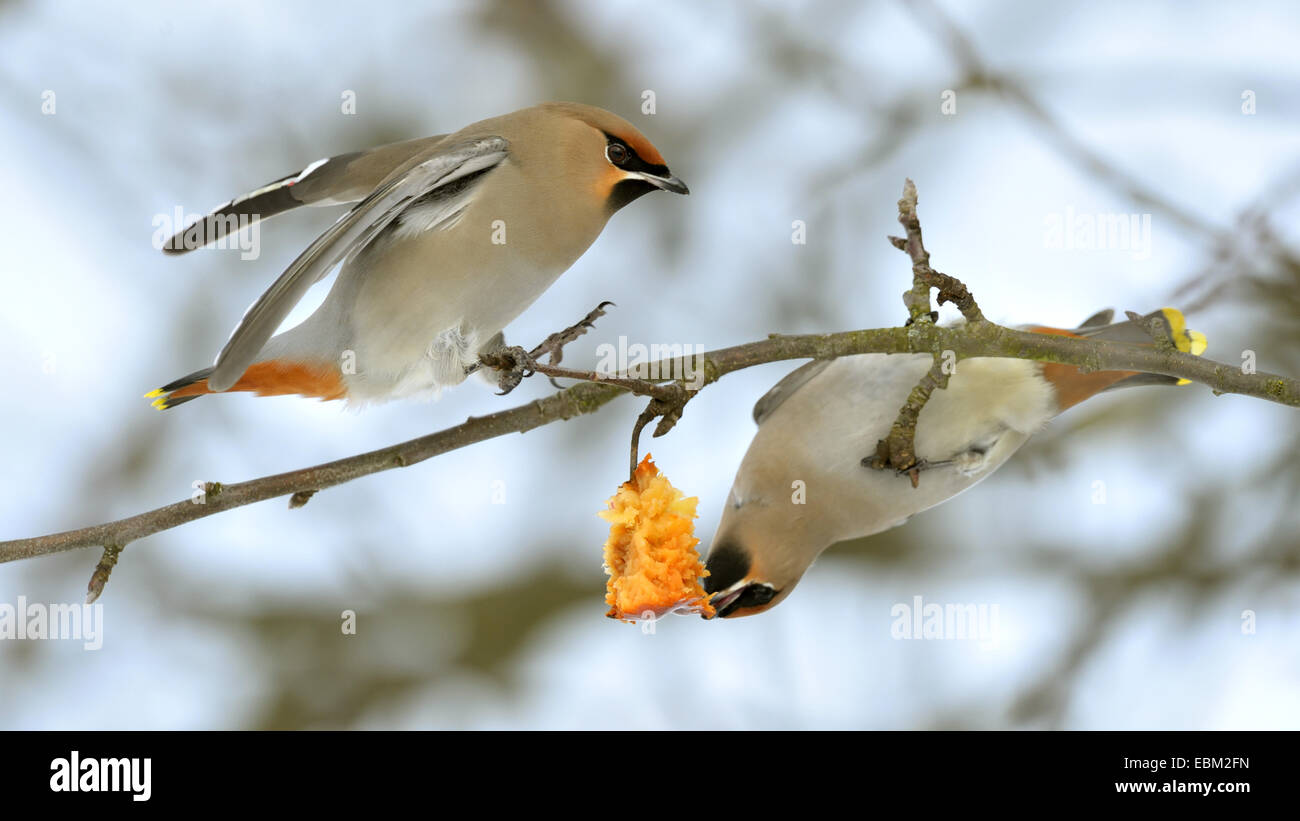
column 667, row 402
column 102, row 571
column 898, row 450
column 951, row 289
column 668, row 408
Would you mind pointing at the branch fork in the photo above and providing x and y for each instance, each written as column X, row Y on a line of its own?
column 667, row 401
column 897, row 451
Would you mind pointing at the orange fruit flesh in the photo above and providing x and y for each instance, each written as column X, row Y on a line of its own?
column 650, row 553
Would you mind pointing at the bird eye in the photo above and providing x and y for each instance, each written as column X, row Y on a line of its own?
column 617, row 153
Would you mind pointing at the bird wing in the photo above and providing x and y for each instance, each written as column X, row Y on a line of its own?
column 1097, row 320
column 332, row 181
column 422, row 179
column 784, row 389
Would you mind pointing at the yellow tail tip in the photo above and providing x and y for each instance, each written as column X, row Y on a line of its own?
column 156, row 392
column 1187, row 341
column 160, row 403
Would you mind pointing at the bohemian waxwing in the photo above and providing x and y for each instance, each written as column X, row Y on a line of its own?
column 452, row 237
column 817, row 424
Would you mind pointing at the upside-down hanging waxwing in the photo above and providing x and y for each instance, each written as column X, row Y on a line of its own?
column 817, row 424
column 450, row 239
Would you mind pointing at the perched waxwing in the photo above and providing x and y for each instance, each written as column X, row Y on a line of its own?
column 817, row 424
column 450, row 239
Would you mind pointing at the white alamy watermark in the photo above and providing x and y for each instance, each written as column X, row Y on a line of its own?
column 77, row 774
column 37, row 620
column 950, row 621
column 654, row 361
column 1102, row 231
column 242, row 231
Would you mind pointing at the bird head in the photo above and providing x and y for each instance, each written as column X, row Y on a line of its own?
column 614, row 158
column 753, row 565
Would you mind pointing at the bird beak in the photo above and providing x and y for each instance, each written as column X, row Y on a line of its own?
column 669, row 183
column 724, row 603
column 752, row 597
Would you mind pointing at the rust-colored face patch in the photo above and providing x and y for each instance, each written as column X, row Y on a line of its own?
column 605, row 183
column 643, row 148
column 612, row 125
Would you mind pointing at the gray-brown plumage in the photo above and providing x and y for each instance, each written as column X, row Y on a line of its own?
column 450, row 239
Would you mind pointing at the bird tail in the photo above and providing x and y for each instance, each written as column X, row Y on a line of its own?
column 180, row 391
column 273, row 377
column 1073, row 386
column 1168, row 321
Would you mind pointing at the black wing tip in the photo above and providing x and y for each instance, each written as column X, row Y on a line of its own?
column 167, row 402
column 232, row 217
column 162, row 398
column 1100, row 319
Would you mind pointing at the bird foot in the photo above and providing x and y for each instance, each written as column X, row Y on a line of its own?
column 513, row 363
column 516, row 364
column 901, row 460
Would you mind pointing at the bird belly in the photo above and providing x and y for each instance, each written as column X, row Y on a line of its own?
column 421, row 303
column 417, row 323
column 820, row 435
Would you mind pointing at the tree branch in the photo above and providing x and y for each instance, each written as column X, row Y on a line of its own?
column 964, row 341
column 567, row 404
column 971, row 339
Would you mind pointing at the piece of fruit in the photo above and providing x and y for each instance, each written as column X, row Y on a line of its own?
column 650, row 553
